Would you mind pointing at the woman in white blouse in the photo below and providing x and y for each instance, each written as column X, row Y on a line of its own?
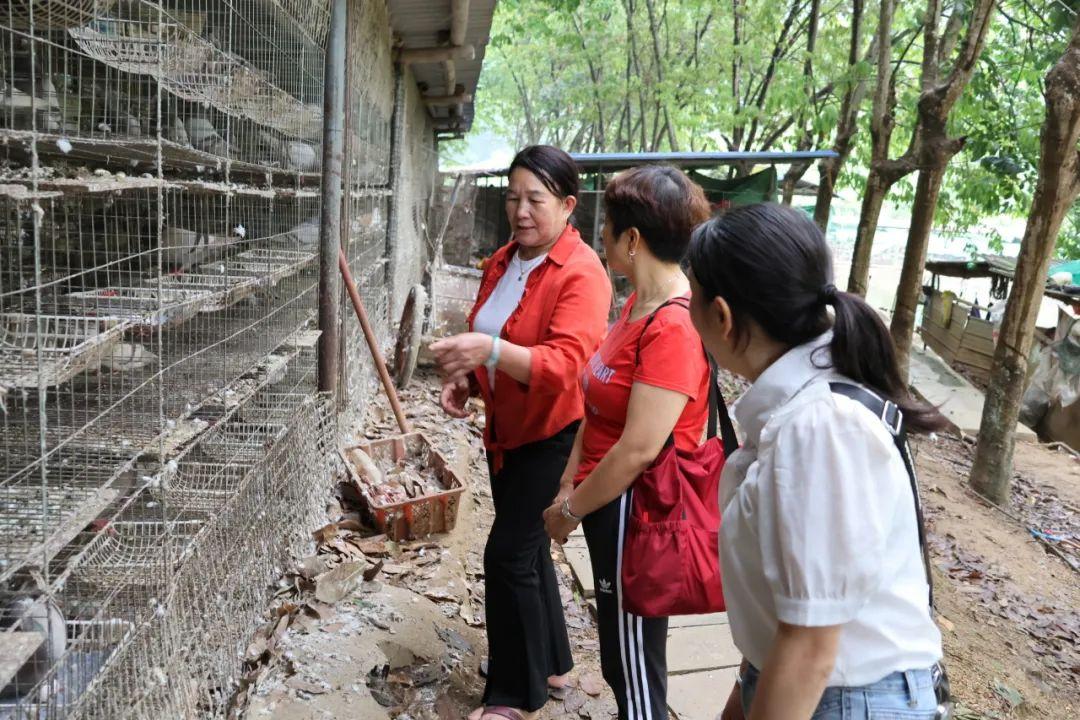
column 824, row 580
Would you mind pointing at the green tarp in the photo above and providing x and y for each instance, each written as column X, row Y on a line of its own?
column 1073, row 266
column 759, row 187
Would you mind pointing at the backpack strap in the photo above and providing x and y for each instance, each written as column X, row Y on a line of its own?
column 718, row 411
column 893, row 419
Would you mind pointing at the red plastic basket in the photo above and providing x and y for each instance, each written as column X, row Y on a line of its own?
column 412, row 517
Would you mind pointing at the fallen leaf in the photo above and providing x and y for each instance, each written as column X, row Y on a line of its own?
column 373, row 547
column 256, row 649
column 309, row 567
column 298, row 683
column 333, row 627
column 591, row 683
column 440, row 594
column 372, row 571
column 445, row 709
column 575, row 701
column 946, row 624
column 321, row 610
column 334, row 586
column 326, row 533
column 1009, row 695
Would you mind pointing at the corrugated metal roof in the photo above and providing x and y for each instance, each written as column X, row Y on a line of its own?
column 425, row 24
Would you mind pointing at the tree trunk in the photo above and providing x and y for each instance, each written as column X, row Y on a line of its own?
column 1059, row 184
column 829, row 169
column 909, row 290
column 873, row 198
column 881, row 128
column 932, row 148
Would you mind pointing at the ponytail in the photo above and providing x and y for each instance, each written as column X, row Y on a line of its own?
column 771, row 264
column 862, row 350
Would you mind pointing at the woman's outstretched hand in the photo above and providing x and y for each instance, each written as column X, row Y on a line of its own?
column 459, row 355
column 454, row 397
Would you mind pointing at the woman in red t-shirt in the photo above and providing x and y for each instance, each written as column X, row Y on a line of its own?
column 646, row 383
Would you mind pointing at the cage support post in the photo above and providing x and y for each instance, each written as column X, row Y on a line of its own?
column 330, row 227
column 372, row 343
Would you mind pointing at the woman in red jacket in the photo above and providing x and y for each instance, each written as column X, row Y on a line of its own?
column 540, row 313
column 647, row 382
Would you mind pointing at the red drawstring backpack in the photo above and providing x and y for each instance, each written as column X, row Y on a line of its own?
column 671, row 553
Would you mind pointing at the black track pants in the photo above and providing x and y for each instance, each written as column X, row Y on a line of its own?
column 633, row 650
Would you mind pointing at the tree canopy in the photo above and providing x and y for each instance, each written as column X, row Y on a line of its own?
column 648, row 75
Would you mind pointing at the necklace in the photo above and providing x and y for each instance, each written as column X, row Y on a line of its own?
column 523, row 268
column 662, row 293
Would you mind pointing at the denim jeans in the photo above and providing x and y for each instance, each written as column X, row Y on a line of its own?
column 900, row 696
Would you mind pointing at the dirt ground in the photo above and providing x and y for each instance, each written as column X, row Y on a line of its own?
column 407, row 644
column 1008, row 609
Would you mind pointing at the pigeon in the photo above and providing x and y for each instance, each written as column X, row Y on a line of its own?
column 176, row 132
column 127, row 357
column 40, row 616
column 182, row 249
column 203, row 136
column 306, row 235
column 301, row 156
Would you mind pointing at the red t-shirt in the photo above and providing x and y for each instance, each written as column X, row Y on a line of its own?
column 672, row 357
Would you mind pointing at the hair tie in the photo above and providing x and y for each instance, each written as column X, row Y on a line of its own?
column 827, row 296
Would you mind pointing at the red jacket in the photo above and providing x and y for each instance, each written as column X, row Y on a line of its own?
column 561, row 318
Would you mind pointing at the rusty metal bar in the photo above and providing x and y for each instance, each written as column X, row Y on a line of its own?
column 372, row 342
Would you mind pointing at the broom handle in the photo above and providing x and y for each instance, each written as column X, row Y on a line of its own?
column 372, row 343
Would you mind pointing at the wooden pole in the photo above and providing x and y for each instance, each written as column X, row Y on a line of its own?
column 372, row 342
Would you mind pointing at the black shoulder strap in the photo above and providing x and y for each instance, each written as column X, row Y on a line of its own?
column 893, row 419
column 678, row 301
column 718, row 411
column 717, row 407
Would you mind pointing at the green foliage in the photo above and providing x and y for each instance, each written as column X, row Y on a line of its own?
column 638, row 75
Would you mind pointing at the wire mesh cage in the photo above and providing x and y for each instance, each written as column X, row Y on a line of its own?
column 163, row 449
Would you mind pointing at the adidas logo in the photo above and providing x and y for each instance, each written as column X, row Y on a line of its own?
column 604, row 586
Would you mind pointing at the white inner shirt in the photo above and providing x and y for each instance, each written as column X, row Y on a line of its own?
column 505, row 298
column 819, row 526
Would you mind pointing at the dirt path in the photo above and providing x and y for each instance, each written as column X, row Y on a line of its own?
column 408, row 644
column 1008, row 609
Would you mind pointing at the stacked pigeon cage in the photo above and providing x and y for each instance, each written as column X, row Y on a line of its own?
column 160, row 428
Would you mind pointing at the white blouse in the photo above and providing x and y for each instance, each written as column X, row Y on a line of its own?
column 505, row 298
column 819, row 526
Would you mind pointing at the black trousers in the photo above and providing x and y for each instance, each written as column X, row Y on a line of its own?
column 527, row 638
column 633, row 649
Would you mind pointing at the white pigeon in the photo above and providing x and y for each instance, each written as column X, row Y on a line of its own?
column 182, row 249
column 37, row 616
column 127, row 357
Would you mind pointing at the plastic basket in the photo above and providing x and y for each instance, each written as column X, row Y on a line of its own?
column 433, row 512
